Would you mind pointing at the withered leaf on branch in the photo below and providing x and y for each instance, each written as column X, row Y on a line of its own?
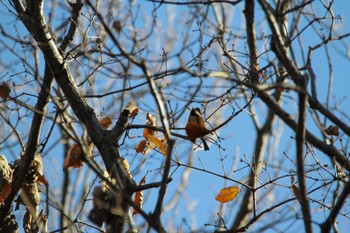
column 74, row 156
column 6, row 174
column 332, row 130
column 4, row 91
column 138, row 199
column 125, row 164
column 132, row 108
column 151, row 141
column 227, row 194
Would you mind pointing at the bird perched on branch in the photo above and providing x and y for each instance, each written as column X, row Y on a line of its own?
column 195, row 127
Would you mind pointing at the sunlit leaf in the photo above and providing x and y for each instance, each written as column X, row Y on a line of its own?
column 159, row 143
column 151, row 120
column 132, row 108
column 227, row 194
column 125, row 164
column 106, row 122
column 138, row 199
column 5, row 178
column 4, row 91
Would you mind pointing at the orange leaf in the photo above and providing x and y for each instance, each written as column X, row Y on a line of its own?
column 4, row 91
column 296, row 192
column 106, row 122
column 159, row 143
column 227, row 194
column 138, row 199
column 141, row 146
column 332, row 130
column 151, row 120
column 74, row 157
column 42, row 179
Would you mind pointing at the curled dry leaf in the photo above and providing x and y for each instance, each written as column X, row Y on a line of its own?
column 132, row 108
column 4, row 91
column 30, row 196
column 151, row 141
column 125, row 164
column 159, row 143
column 332, row 130
column 296, row 192
column 5, row 179
column 117, row 25
column 138, row 199
column 151, row 120
column 227, row 194
column 74, row 157
column 106, row 122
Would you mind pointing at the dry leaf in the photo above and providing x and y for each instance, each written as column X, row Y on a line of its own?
column 291, row 179
column 74, row 157
column 5, row 178
column 4, row 91
column 30, row 196
column 138, row 199
column 332, row 130
column 151, row 120
column 159, row 143
column 132, row 108
column 106, row 122
column 117, row 25
column 257, row 69
column 227, row 194
column 125, row 164
column 296, row 192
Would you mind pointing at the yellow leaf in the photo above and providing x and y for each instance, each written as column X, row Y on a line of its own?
column 227, row 194
column 138, row 199
column 159, row 143
column 4, row 91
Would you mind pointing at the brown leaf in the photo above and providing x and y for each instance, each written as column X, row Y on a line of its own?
column 291, row 179
column 4, row 91
column 227, row 194
column 296, row 192
column 5, row 178
column 138, row 199
column 106, row 122
column 332, row 130
column 117, row 25
column 74, row 157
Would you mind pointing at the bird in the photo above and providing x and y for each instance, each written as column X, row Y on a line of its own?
column 195, row 127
